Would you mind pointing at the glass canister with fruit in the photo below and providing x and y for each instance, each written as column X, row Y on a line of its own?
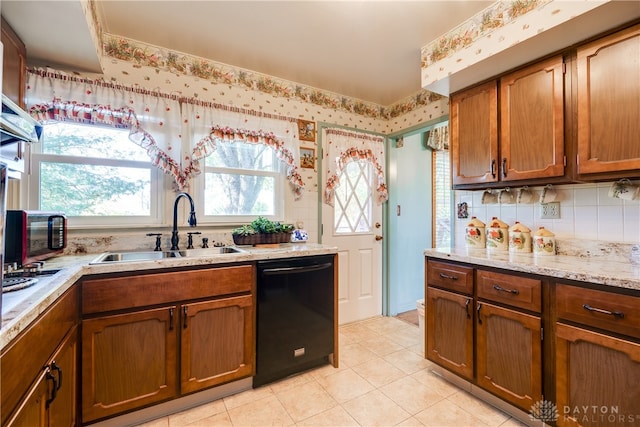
column 474, row 236
column 544, row 242
column 519, row 238
column 497, row 235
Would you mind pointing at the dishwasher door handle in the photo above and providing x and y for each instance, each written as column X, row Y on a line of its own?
column 294, row 270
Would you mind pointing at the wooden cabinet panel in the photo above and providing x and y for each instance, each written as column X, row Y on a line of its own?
column 509, row 354
column 26, row 356
column 532, row 122
column 32, row 412
column 599, row 309
column 128, row 292
column 474, row 135
column 608, row 81
column 13, row 64
column 597, row 378
column 521, row 292
column 218, row 342
column 128, row 361
column 454, row 277
column 449, row 320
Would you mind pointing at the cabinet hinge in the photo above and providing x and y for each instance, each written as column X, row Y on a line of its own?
column 564, row 68
column 564, row 160
column 541, row 334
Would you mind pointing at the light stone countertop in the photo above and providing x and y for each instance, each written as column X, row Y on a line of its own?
column 22, row 307
column 598, row 270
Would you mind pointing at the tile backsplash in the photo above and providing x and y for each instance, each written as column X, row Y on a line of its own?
column 587, row 213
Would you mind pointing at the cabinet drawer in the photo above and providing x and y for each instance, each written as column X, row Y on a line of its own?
column 127, row 292
column 450, row 276
column 521, row 292
column 600, row 309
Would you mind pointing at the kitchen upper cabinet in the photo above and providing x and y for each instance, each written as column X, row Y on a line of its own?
column 474, row 135
column 532, row 122
column 516, row 136
column 608, row 103
column 217, row 342
column 13, row 65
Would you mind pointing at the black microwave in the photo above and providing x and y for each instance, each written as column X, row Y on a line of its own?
column 34, row 236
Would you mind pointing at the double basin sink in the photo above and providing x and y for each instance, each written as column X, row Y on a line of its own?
column 110, row 257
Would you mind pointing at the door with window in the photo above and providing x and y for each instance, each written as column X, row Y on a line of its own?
column 354, row 225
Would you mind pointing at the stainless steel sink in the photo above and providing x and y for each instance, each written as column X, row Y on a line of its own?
column 109, row 257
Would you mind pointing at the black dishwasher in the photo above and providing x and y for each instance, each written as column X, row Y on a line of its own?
column 295, row 319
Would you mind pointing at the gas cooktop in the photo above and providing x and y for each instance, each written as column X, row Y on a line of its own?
column 16, row 278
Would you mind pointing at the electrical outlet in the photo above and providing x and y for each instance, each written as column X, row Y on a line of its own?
column 550, row 210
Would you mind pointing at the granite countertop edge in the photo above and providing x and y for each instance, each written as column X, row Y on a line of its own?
column 583, row 269
column 74, row 267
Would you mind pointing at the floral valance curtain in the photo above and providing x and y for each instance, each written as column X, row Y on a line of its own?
column 153, row 119
column 209, row 124
column 347, row 146
column 438, row 137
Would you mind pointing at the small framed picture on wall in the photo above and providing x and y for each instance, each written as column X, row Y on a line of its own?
column 307, row 130
column 307, row 158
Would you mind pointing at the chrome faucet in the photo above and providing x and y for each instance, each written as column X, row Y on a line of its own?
column 191, row 222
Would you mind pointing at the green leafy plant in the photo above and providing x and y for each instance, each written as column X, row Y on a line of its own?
column 245, row 230
column 262, row 225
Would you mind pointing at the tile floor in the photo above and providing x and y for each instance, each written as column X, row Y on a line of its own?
column 382, row 381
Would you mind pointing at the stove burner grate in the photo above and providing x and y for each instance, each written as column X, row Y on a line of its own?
column 10, row 284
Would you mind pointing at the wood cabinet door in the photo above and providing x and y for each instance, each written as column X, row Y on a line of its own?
column 597, row 378
column 13, row 64
column 217, row 342
column 63, row 366
column 532, row 122
column 608, row 74
column 450, row 331
column 509, row 354
column 32, row 411
column 474, row 135
column 128, row 361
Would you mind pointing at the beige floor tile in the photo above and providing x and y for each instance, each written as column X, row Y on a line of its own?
column 488, row 414
column 410, row 422
column 267, row 411
column 327, row 370
column 294, row 381
column 345, row 385
column 406, row 337
column 436, row 383
column 512, row 422
column 306, row 400
column 355, row 354
column 375, row 409
column 381, row 345
column 248, row 396
column 447, row 414
column 378, row 372
column 407, row 361
column 334, row 417
column 160, row 422
column 219, row 420
column 198, row 413
column 411, row 394
column 358, row 332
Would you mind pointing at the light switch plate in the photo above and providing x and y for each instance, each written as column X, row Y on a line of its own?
column 550, row 210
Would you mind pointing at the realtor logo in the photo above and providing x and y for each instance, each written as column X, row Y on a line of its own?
column 543, row 410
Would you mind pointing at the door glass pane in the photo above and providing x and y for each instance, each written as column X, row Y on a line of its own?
column 353, row 199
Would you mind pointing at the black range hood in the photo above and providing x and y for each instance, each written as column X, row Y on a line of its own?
column 16, row 125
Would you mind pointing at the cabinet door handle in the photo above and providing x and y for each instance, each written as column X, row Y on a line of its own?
column 446, row 276
column 617, row 314
column 466, row 308
column 55, row 367
column 504, row 167
column 493, row 168
column 501, row 289
column 478, row 313
column 171, row 318
column 54, row 389
column 184, row 317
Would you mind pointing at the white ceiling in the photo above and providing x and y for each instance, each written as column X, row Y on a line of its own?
column 369, row 50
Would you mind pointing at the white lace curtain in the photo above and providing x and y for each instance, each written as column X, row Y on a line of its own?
column 153, row 119
column 438, row 138
column 347, row 146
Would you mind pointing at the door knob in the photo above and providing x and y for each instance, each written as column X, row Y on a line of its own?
column 378, row 225
column 378, row 237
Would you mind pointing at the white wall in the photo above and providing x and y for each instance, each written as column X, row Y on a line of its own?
column 586, row 212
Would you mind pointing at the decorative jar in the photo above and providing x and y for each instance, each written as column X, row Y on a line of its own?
column 474, row 234
column 519, row 238
column 497, row 235
column 544, row 242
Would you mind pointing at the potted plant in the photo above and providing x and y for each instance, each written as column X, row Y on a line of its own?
column 262, row 231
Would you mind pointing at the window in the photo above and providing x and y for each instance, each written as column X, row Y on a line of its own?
column 95, row 175
column 441, row 198
column 353, row 199
column 241, row 181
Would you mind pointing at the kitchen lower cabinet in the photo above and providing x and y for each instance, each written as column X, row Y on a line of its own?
column 154, row 337
column 128, row 361
column 450, row 331
column 39, row 368
column 509, row 354
column 217, row 342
